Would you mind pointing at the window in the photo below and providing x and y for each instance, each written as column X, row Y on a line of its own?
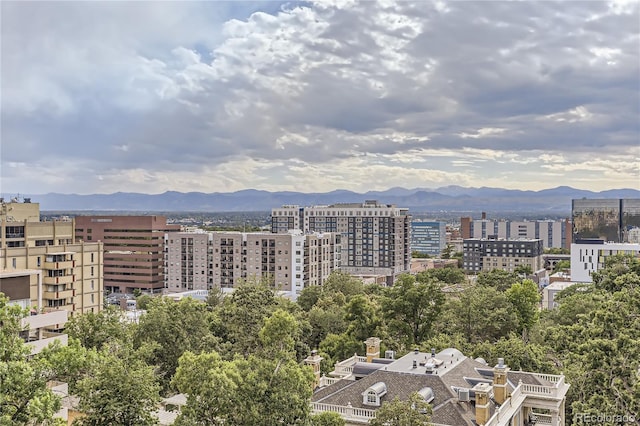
column 13, row 262
column 372, row 398
column 39, row 261
column 92, row 299
column 92, row 271
column 91, row 257
column 92, row 285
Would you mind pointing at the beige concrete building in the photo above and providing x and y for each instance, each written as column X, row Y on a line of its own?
column 376, row 238
column 71, row 272
column 206, row 260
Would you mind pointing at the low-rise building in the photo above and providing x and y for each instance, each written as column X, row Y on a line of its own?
column 589, row 256
column 461, row 391
column 486, row 254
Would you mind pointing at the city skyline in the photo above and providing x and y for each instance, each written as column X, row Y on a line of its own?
column 101, row 97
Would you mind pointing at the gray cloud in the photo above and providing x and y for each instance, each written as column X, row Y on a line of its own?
column 180, row 95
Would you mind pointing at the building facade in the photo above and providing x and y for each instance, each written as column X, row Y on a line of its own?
column 133, row 249
column 290, row 261
column 589, row 256
column 71, row 272
column 480, row 254
column 611, row 220
column 376, row 238
column 428, row 237
column 553, row 233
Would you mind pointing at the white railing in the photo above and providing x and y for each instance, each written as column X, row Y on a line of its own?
column 553, row 378
column 538, row 390
column 542, row 419
column 347, row 412
column 345, row 368
column 326, row 381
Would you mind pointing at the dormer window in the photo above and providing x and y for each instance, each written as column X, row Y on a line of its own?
column 373, row 394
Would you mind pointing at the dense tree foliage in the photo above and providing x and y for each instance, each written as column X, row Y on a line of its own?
column 239, row 357
column 412, row 412
column 24, row 396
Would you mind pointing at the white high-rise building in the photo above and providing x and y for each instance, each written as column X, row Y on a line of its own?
column 290, row 261
column 376, row 238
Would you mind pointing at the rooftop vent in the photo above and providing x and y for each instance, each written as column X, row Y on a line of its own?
column 415, row 364
column 416, row 351
column 463, row 395
column 389, row 354
column 430, row 367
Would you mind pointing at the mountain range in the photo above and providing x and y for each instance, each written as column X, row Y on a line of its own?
column 448, row 198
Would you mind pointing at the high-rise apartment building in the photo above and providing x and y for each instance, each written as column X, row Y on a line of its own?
column 376, row 238
column 611, row 220
column 553, row 233
column 71, row 272
column 428, row 237
column 133, row 249
column 481, row 254
column 290, row 261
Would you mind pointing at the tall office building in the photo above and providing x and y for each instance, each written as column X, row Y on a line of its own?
column 553, row 233
column 71, row 272
column 610, row 220
column 428, row 237
column 133, row 249
column 481, row 254
column 290, row 261
column 376, row 238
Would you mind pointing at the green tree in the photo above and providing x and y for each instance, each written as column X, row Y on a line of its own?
column 93, row 330
column 309, row 296
column 211, row 385
column 447, row 275
column 343, row 283
column 324, row 322
column 24, row 396
column 479, row 313
column 120, row 389
column 241, row 316
column 326, row 418
column 523, row 270
column 525, row 298
column 413, row 412
column 563, row 265
column 169, row 328
column 363, row 316
column 411, row 307
column 497, row 278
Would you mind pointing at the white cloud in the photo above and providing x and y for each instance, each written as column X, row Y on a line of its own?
column 186, row 96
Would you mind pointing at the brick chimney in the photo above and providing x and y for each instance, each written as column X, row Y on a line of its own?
column 373, row 348
column 483, row 411
column 500, row 381
column 314, row 361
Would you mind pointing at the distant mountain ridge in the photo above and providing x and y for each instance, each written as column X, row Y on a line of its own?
column 448, row 198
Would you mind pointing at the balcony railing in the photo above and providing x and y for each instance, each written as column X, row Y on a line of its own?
column 65, row 279
column 60, row 265
column 63, row 294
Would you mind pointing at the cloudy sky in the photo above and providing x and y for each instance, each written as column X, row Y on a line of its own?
column 99, row 97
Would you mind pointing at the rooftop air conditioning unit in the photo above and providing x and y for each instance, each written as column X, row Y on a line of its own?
column 463, row 395
column 389, row 354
